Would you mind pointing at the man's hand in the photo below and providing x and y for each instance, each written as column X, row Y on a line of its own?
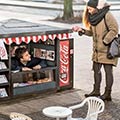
column 37, row 67
column 26, row 69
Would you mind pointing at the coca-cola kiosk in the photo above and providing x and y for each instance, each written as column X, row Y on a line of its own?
column 53, row 44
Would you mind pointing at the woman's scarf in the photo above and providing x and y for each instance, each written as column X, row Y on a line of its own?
column 94, row 19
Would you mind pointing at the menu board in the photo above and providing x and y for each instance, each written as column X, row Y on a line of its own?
column 3, row 79
column 3, row 92
column 2, row 65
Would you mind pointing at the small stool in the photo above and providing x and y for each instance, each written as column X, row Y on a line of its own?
column 57, row 112
column 19, row 116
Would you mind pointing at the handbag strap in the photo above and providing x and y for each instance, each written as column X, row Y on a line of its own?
column 106, row 24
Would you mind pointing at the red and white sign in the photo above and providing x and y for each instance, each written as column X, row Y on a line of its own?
column 64, row 73
column 3, row 51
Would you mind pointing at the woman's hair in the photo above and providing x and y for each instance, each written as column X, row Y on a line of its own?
column 85, row 18
column 20, row 51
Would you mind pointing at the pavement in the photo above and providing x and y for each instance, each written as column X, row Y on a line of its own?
column 56, row 6
column 33, row 105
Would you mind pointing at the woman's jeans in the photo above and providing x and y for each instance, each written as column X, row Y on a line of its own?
column 108, row 68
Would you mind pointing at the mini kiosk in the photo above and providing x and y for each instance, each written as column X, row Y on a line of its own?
column 51, row 43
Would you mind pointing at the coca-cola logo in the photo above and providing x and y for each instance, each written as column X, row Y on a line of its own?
column 64, row 54
column 64, row 62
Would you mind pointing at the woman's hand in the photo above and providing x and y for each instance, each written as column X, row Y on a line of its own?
column 77, row 29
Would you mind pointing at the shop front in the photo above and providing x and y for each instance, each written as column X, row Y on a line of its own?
column 52, row 44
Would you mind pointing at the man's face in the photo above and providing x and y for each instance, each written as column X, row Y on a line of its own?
column 26, row 57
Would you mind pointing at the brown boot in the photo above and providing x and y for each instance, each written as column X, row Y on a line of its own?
column 95, row 92
column 106, row 95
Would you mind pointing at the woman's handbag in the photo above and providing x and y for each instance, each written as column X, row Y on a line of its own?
column 114, row 46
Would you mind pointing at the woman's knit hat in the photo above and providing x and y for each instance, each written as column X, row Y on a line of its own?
column 96, row 3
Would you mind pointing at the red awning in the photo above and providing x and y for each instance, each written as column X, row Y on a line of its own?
column 27, row 39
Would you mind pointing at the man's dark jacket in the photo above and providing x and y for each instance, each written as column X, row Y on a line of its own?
column 17, row 65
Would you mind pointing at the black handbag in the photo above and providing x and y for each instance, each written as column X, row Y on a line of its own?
column 114, row 46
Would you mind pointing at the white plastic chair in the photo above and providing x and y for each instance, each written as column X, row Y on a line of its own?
column 19, row 116
column 95, row 106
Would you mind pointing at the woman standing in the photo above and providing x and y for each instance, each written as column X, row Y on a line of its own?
column 102, row 26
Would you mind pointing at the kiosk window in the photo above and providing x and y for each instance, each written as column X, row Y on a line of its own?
column 25, row 79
